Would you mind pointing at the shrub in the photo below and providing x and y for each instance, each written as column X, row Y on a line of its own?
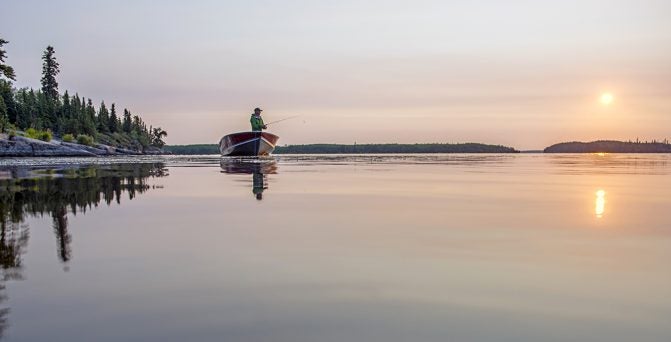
column 84, row 139
column 32, row 133
column 68, row 138
column 36, row 134
column 45, row 135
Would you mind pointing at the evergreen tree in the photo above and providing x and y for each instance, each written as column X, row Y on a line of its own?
column 89, row 119
column 113, row 121
column 127, row 121
column 103, row 118
column 5, row 70
column 8, row 112
column 49, row 72
column 157, row 137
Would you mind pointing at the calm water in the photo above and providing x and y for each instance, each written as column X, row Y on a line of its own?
column 339, row 248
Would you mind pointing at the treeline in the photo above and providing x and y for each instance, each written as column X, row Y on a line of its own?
column 394, row 148
column 192, row 149
column 68, row 115
column 356, row 149
column 611, row 146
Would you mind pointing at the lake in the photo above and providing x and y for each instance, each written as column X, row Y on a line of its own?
column 515, row 247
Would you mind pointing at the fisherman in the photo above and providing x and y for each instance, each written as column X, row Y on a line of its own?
column 257, row 121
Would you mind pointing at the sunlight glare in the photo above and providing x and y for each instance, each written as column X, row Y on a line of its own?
column 600, row 205
column 606, row 99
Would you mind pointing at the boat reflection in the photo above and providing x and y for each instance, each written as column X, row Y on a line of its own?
column 57, row 192
column 259, row 168
column 600, row 203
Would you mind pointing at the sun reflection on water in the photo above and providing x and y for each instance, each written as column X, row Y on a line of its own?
column 600, row 204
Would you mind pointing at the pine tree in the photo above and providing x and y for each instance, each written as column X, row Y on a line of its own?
column 157, row 137
column 103, row 118
column 127, row 121
column 113, row 121
column 49, row 72
column 9, row 108
column 89, row 118
column 5, row 70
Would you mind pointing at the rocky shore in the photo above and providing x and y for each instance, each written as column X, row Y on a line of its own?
column 18, row 146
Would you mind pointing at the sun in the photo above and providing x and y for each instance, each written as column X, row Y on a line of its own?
column 606, row 99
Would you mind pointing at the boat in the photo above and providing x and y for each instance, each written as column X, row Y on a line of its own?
column 255, row 143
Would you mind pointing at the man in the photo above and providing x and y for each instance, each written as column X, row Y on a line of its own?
column 257, row 121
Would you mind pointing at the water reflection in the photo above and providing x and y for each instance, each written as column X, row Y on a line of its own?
column 34, row 191
column 600, row 203
column 259, row 168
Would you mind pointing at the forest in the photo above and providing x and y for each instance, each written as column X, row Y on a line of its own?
column 46, row 113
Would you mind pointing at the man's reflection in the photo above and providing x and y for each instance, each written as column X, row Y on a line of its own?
column 258, row 167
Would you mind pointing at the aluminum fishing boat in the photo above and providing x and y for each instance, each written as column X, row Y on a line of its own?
column 248, row 144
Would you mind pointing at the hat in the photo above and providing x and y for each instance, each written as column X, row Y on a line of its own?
column 259, row 109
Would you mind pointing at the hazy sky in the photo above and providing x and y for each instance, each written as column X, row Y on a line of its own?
column 519, row 73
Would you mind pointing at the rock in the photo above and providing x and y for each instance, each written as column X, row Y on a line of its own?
column 94, row 150
column 27, row 147
column 126, row 151
column 10, row 148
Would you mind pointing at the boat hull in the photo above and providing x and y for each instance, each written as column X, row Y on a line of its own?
column 248, row 144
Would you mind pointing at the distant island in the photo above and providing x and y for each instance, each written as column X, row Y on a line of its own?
column 355, row 149
column 44, row 122
column 610, row 146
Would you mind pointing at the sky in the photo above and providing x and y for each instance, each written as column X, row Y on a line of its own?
column 525, row 74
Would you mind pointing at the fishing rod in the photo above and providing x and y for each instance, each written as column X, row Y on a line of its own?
column 276, row 121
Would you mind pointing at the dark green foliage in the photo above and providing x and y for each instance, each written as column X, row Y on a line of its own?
column 5, row 70
column 113, row 123
column 49, row 71
column 103, row 118
column 46, row 109
column 157, row 135
column 127, row 121
column 7, row 103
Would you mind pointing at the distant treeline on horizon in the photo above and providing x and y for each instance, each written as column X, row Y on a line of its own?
column 355, row 149
column 610, row 146
column 601, row 146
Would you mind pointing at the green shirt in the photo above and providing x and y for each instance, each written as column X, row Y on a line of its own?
column 257, row 122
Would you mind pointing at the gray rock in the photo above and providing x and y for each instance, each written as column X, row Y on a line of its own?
column 19, row 146
column 9, row 148
column 94, row 150
column 26, row 147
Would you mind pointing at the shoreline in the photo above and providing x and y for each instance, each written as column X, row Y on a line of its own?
column 18, row 146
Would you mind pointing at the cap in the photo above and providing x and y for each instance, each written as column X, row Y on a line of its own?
column 259, row 109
